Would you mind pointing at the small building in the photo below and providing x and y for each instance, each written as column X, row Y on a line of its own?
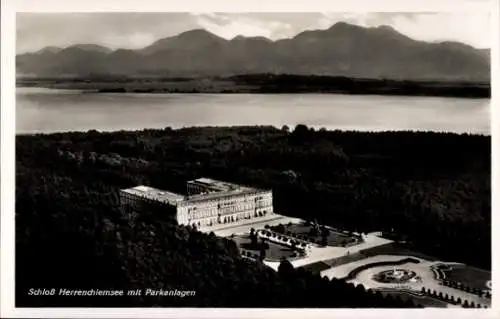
column 208, row 202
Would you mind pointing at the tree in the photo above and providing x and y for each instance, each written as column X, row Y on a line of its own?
column 324, row 241
column 360, row 289
column 280, row 228
column 285, row 268
column 409, row 303
column 301, row 131
column 253, row 237
column 324, row 236
column 262, row 252
column 313, row 232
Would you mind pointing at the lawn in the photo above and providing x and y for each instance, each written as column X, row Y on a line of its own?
column 396, row 249
column 424, row 301
column 274, row 253
column 334, row 238
column 316, row 268
column 469, row 276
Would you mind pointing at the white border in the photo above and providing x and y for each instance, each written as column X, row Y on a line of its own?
column 9, row 7
column 253, row 6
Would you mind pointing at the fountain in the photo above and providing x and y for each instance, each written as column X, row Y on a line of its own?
column 396, row 276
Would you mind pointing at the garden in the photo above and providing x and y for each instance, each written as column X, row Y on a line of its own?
column 317, row 234
column 265, row 249
column 475, row 279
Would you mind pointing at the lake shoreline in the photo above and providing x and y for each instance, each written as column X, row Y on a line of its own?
column 267, row 84
column 464, row 95
column 242, row 127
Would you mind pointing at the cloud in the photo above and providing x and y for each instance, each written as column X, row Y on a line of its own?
column 230, row 25
column 471, row 28
column 115, row 30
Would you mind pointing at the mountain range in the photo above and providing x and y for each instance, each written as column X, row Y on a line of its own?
column 342, row 50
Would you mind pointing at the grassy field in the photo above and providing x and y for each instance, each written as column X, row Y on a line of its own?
column 316, row 267
column 274, row 253
column 334, row 238
column 426, row 302
column 388, row 249
column 469, row 276
column 396, row 249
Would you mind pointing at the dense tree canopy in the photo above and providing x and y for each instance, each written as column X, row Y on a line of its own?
column 430, row 189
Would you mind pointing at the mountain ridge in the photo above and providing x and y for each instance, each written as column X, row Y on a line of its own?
column 341, row 50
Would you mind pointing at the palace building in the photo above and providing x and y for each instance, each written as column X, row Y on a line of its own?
column 208, row 202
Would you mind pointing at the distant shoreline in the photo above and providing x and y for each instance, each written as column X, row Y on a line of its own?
column 266, row 84
column 242, row 127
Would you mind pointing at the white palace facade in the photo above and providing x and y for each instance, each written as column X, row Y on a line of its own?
column 208, row 202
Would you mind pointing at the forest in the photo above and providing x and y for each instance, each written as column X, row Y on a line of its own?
column 431, row 190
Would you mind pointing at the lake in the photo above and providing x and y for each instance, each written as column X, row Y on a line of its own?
column 45, row 111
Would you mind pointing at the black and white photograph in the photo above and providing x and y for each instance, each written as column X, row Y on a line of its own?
column 249, row 160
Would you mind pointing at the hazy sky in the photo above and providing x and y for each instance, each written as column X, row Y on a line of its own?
column 136, row 30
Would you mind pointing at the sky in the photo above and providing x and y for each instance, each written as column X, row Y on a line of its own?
column 132, row 30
